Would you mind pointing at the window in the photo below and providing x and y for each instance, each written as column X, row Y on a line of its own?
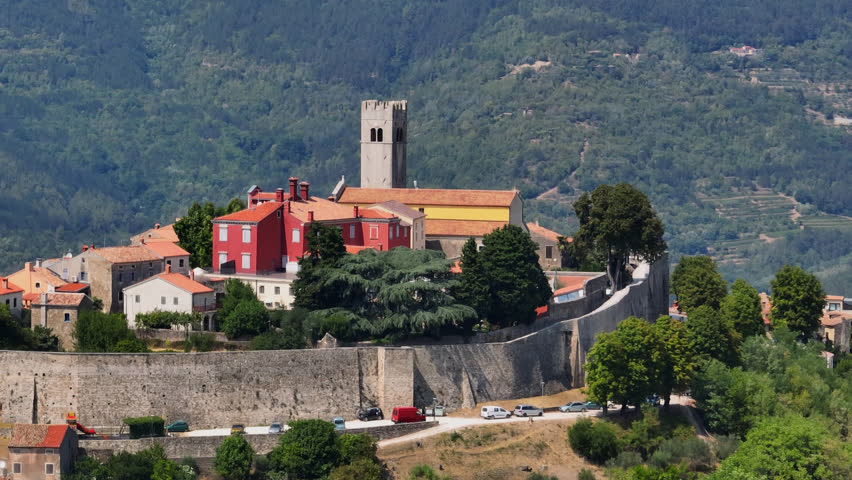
column 246, row 234
column 399, row 135
column 137, row 298
column 48, row 469
column 420, row 209
column 374, row 232
column 14, row 302
column 223, row 233
column 223, row 257
column 351, row 231
column 132, row 276
column 169, row 263
column 390, row 232
column 296, row 235
column 162, row 300
column 397, row 230
column 372, row 134
column 379, row 135
column 405, row 232
column 175, row 300
column 180, row 263
column 67, row 317
column 548, row 251
column 38, row 285
column 246, row 261
column 16, row 468
column 48, row 451
column 120, row 296
column 120, row 277
column 279, row 213
column 261, row 289
column 82, row 276
column 833, row 307
column 277, row 290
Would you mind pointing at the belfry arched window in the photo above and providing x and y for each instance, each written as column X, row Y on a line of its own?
column 379, row 135
column 372, row 134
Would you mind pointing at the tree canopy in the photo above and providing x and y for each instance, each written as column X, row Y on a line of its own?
column 696, row 282
column 195, row 230
column 712, row 335
column 741, row 309
column 615, row 223
column 308, row 449
column 96, row 331
column 324, row 248
column 234, row 458
column 797, row 300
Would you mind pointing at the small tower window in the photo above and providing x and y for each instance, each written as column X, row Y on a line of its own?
column 399, row 135
column 372, row 134
column 379, row 135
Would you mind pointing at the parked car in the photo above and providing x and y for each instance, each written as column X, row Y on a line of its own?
column 574, row 407
column 339, row 423
column 407, row 415
column 490, row 412
column 527, row 411
column 276, row 428
column 372, row 413
column 653, row 400
column 592, row 406
column 178, row 426
column 238, row 429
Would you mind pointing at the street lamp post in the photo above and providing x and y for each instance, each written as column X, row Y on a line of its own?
column 434, row 405
column 542, row 388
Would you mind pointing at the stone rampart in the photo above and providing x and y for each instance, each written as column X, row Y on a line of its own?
column 257, row 388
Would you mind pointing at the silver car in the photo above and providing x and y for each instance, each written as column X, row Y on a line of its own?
column 527, row 411
column 275, row 428
column 574, row 407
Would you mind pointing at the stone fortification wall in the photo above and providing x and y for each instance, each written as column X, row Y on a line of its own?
column 205, row 389
column 256, row 388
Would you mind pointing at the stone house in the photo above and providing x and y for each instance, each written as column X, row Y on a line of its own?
column 836, row 323
column 12, row 296
column 41, row 451
column 170, row 292
column 59, row 311
column 157, row 234
column 172, row 254
column 108, row 270
column 549, row 255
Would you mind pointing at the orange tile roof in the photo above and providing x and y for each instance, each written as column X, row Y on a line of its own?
column 326, row 210
column 166, row 249
column 570, row 284
column 399, row 209
column 61, row 299
column 40, row 274
column 429, row 196
column 130, row 254
column 544, row 232
column 185, row 283
column 73, row 287
column 353, row 249
column 29, row 297
column 834, row 298
column 38, row 436
column 460, row 228
column 252, row 215
column 831, row 319
column 12, row 288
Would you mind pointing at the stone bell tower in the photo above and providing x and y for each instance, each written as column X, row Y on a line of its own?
column 384, row 133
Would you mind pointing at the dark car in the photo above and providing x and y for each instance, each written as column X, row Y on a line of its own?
column 373, row 413
column 179, row 426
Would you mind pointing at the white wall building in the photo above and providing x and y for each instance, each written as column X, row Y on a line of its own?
column 170, row 292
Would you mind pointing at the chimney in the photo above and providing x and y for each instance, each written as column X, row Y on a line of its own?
column 303, row 190
column 289, row 207
column 310, row 216
column 168, row 268
column 279, row 195
column 355, row 211
column 192, row 274
column 142, row 240
column 331, row 198
column 92, row 246
column 293, row 195
column 85, row 247
column 5, row 284
column 38, row 262
column 28, row 266
column 156, row 226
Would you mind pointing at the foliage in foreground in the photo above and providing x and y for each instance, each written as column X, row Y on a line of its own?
column 149, row 464
column 102, row 332
column 234, row 458
column 594, row 440
column 15, row 336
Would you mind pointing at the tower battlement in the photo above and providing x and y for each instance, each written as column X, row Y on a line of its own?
column 384, row 105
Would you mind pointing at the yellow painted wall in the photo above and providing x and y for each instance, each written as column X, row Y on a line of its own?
column 448, row 212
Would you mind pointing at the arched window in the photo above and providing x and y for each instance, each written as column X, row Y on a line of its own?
column 379, row 135
column 372, row 134
column 399, row 135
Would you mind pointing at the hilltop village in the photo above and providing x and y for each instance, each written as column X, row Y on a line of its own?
column 393, row 244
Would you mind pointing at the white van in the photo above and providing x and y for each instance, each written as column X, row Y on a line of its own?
column 492, row 412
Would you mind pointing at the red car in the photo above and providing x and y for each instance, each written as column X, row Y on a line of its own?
column 407, row 415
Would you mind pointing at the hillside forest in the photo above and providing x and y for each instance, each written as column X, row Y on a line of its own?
column 115, row 115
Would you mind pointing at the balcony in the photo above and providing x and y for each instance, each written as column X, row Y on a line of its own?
column 205, row 308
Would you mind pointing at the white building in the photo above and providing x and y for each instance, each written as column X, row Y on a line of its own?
column 170, row 292
column 12, row 296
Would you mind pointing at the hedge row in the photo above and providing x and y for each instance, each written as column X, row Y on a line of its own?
column 145, row 427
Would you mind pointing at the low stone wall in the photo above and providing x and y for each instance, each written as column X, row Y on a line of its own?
column 205, row 447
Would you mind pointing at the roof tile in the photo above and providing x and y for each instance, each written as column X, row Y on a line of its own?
column 429, row 196
column 185, row 283
column 39, row 436
column 253, row 214
column 129, row 254
column 12, row 288
column 166, row 249
column 460, row 228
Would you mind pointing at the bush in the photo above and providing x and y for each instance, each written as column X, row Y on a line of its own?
column 308, row 449
column 145, row 426
column 362, row 469
column 540, row 476
column 424, row 472
column 234, row 457
column 725, row 445
column 339, row 326
column 287, row 338
column 625, row 459
column 102, row 332
column 191, row 463
column 248, row 317
column 586, row 474
column 594, row 440
column 357, row 447
column 694, row 452
column 200, row 342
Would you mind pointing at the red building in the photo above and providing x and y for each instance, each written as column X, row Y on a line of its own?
column 269, row 235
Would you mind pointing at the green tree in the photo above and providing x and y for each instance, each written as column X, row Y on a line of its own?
column 101, row 332
column 236, row 292
column 247, row 318
column 696, row 282
column 789, row 448
column 358, row 470
column 741, row 309
column 676, row 357
column 324, row 248
column 508, row 266
column 594, row 440
column 234, row 457
column 797, row 300
column 308, row 449
column 473, row 286
column 195, row 230
column 623, row 365
column 357, row 447
column 615, row 223
column 732, row 399
column 712, row 336
column 285, row 338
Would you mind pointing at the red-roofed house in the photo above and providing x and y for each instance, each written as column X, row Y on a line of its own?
column 12, row 296
column 41, row 451
column 172, row 254
column 549, row 256
column 170, row 292
column 59, row 311
column 156, row 235
column 35, row 278
column 836, row 323
column 765, row 308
